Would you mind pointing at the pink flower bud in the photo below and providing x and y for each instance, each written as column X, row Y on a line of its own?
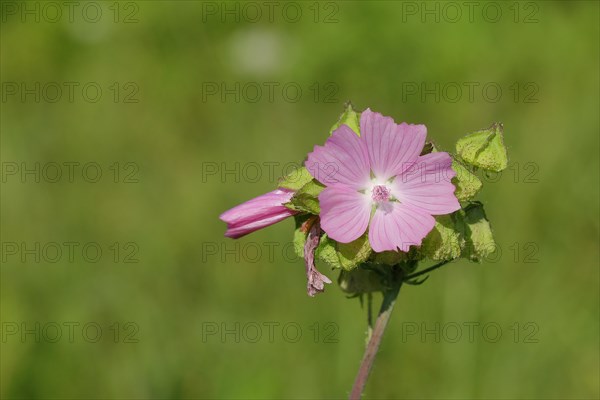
column 255, row 214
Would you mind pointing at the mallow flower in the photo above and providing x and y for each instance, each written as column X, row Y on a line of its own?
column 373, row 187
column 378, row 179
column 257, row 213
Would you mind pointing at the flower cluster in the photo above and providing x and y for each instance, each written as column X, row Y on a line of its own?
column 378, row 194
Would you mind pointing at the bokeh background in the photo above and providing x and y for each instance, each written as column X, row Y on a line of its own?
column 158, row 64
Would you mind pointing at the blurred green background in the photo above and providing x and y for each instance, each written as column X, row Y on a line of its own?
column 157, row 64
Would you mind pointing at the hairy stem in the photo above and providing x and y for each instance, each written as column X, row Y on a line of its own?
column 389, row 298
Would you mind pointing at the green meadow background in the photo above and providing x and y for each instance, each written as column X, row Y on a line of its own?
column 170, row 126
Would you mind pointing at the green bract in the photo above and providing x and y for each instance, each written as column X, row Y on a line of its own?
column 484, row 149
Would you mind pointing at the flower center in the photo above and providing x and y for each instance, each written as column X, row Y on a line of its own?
column 380, row 193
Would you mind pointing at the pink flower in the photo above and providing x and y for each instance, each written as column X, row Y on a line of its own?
column 380, row 177
column 257, row 213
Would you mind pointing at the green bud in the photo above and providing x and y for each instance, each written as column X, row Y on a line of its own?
column 478, row 233
column 344, row 255
column 444, row 242
column 484, row 149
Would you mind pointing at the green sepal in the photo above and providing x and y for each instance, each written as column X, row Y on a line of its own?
column 477, row 232
column 296, row 179
column 467, row 184
column 484, row 149
column 349, row 117
column 306, row 199
column 346, row 256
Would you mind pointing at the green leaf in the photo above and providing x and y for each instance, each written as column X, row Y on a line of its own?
column 444, row 242
column 478, row 233
column 296, row 179
column 344, row 255
column 349, row 117
column 306, row 199
column 484, row 149
column 467, row 184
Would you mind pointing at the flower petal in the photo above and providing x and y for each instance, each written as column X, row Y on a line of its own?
column 398, row 226
column 427, row 185
column 343, row 160
column 344, row 213
column 392, row 148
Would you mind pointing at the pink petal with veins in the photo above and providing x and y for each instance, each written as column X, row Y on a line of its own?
column 344, row 213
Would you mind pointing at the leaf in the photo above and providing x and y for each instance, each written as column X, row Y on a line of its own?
column 296, row 179
column 307, row 198
column 484, row 149
column 344, row 255
column 349, row 117
column 467, row 184
column 478, row 233
column 444, row 242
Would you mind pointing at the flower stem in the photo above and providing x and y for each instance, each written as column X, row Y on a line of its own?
column 389, row 298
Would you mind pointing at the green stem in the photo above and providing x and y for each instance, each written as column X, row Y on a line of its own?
column 389, row 298
column 376, row 333
column 370, row 310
